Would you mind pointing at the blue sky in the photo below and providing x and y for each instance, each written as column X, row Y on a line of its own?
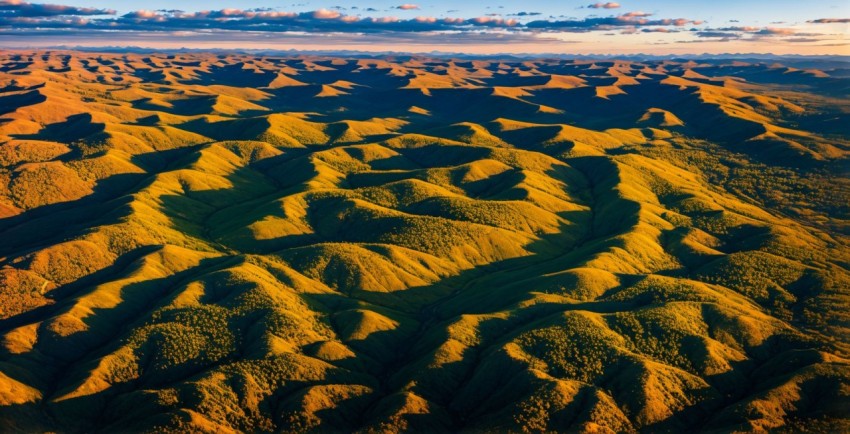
column 475, row 26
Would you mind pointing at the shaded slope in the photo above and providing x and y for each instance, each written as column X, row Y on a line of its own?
column 195, row 242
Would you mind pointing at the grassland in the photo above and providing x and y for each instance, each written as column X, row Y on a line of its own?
column 206, row 243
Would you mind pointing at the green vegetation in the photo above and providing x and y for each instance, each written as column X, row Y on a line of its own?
column 305, row 244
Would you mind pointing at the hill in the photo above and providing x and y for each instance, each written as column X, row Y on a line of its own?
column 210, row 243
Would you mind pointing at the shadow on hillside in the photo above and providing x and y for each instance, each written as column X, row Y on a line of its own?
column 75, row 128
column 93, row 412
column 423, row 313
column 434, row 307
column 149, row 75
column 76, row 288
column 10, row 103
column 17, row 64
column 797, row 80
column 103, row 326
column 233, row 75
column 46, row 224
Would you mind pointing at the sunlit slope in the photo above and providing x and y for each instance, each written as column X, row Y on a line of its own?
column 235, row 243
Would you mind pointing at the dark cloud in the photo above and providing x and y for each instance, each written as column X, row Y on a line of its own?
column 829, row 20
column 716, row 34
column 767, row 35
column 18, row 8
column 630, row 19
column 28, row 18
column 755, row 34
column 320, row 20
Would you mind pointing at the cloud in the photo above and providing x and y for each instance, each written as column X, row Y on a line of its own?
column 331, row 23
column 214, row 38
column 755, row 34
column 609, row 5
column 630, row 19
column 329, row 20
column 775, row 31
column 716, row 34
column 18, row 14
column 749, row 29
column 172, row 16
column 829, row 20
column 763, row 31
column 143, row 15
column 326, row 14
column 801, row 40
column 752, row 33
column 263, row 20
column 637, row 14
column 18, row 8
column 658, row 30
column 494, row 21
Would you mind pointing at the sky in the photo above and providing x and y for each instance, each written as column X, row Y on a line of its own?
column 657, row 27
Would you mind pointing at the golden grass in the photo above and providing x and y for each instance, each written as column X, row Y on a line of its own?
column 242, row 243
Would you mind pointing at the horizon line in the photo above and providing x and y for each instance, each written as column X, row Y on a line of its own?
column 439, row 53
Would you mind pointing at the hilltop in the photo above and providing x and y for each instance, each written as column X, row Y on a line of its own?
column 309, row 243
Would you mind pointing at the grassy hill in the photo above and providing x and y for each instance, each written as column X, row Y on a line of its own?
column 207, row 243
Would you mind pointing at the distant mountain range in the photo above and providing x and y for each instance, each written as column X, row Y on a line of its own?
column 441, row 54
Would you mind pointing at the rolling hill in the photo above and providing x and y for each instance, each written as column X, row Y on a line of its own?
column 244, row 243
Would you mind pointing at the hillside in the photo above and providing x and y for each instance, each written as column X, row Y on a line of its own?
column 210, row 243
